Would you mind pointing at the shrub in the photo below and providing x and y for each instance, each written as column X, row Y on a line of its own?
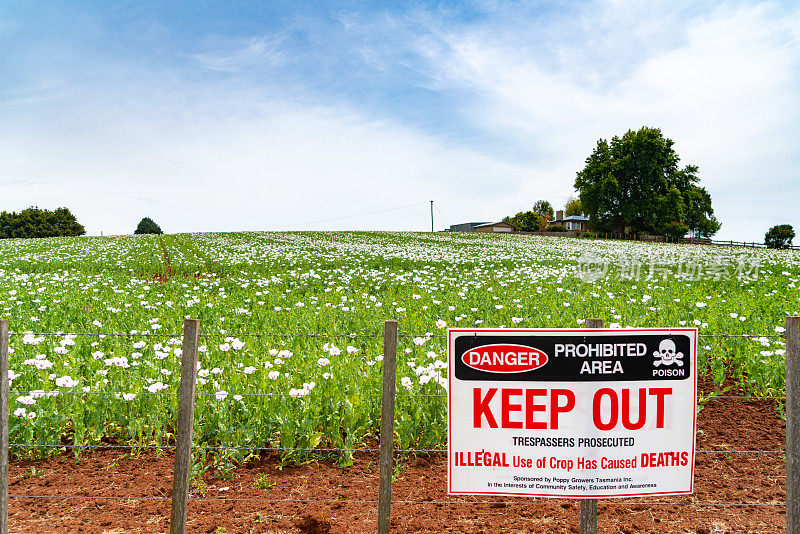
column 525, row 221
column 557, row 228
column 148, row 226
column 779, row 236
column 589, row 235
column 675, row 230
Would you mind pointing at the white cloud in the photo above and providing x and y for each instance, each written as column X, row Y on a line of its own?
column 725, row 91
column 231, row 161
column 232, row 149
column 233, row 56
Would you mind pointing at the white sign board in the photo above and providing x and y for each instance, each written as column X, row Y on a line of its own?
column 577, row 413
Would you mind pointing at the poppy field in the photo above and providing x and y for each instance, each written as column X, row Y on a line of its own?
column 312, row 378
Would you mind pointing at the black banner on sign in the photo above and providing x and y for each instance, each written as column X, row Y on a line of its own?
column 573, row 358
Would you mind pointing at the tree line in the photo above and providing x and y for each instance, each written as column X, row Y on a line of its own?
column 35, row 222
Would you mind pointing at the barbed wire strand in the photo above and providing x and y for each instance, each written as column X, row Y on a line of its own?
column 742, row 335
column 94, row 334
column 739, row 397
column 55, row 392
column 429, row 336
column 300, row 449
column 608, row 502
column 178, row 336
column 293, row 335
column 92, row 447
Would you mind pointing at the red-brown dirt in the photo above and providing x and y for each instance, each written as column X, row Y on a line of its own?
column 321, row 498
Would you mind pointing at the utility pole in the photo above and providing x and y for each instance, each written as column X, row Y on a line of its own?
column 431, row 215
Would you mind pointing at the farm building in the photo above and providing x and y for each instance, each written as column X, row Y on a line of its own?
column 484, row 227
column 571, row 222
column 465, row 227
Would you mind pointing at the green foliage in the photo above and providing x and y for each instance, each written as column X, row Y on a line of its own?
column 34, row 473
column 668, row 219
column 573, row 207
column 779, row 236
column 525, row 221
column 699, row 214
column 148, row 226
column 49, row 286
column 200, row 465
column 544, row 209
column 675, row 230
column 557, row 228
column 634, row 185
column 262, row 481
column 35, row 222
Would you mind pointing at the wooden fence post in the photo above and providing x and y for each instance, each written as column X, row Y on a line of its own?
column 4, row 426
column 183, row 429
column 792, row 425
column 589, row 506
column 387, row 426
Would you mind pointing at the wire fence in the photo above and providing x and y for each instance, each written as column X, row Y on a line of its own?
column 179, row 336
column 688, row 240
column 455, row 502
column 266, row 448
column 262, row 335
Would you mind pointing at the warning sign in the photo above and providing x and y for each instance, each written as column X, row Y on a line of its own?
column 576, row 413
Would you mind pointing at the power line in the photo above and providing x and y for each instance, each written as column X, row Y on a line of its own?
column 446, row 221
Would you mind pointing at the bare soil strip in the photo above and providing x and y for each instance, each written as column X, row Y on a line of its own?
column 319, row 497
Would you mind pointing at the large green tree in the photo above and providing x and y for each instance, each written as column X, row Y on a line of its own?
column 635, row 184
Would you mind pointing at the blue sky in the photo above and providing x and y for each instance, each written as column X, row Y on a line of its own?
column 276, row 115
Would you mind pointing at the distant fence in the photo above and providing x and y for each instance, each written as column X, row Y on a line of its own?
column 185, row 416
column 681, row 240
column 748, row 244
column 646, row 238
column 567, row 233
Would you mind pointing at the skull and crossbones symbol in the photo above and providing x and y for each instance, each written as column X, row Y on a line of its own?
column 667, row 354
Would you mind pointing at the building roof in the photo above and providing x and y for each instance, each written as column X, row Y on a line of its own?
column 493, row 223
column 571, row 218
column 472, row 224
